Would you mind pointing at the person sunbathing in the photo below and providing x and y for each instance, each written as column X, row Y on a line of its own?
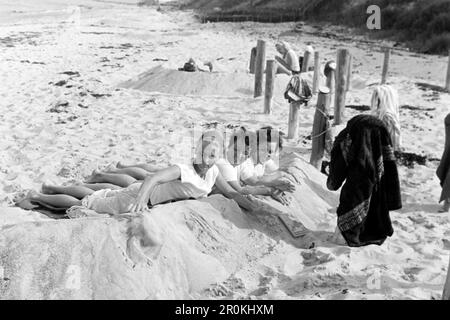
column 177, row 182
column 263, row 178
column 195, row 64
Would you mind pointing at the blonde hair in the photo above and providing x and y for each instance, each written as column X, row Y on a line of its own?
column 385, row 106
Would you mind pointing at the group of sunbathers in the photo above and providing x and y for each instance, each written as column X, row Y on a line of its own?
column 247, row 166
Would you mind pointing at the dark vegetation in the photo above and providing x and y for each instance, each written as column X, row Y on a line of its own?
column 424, row 25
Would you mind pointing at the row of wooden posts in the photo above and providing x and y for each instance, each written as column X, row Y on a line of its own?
column 338, row 83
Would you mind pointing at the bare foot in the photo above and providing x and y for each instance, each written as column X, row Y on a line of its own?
column 111, row 167
column 94, row 177
column 32, row 195
column 47, row 189
column 445, row 207
column 119, row 165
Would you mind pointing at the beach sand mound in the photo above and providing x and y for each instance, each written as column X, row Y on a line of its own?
column 204, row 243
column 162, row 80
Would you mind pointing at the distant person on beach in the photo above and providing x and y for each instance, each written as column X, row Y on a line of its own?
column 443, row 171
column 194, row 65
column 363, row 157
column 288, row 63
column 385, row 106
column 177, row 182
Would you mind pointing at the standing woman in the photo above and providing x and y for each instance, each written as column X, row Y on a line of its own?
column 385, row 106
column 443, row 171
column 363, row 157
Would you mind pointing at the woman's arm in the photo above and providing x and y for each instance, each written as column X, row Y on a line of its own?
column 282, row 63
column 162, row 176
column 278, row 179
column 275, row 193
column 230, row 193
column 255, row 190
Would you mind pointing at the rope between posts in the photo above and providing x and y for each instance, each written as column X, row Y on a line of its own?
column 323, row 113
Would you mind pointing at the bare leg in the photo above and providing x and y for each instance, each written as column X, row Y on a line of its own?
column 135, row 172
column 100, row 186
column 78, row 192
column 446, row 206
column 55, row 200
column 145, row 166
column 121, row 180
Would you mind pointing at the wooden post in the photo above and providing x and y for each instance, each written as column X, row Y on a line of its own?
column 349, row 74
column 447, row 82
column 306, row 61
column 253, row 60
column 446, row 293
column 259, row 68
column 271, row 69
column 387, row 54
column 316, row 78
column 343, row 59
column 330, row 73
column 319, row 127
column 294, row 108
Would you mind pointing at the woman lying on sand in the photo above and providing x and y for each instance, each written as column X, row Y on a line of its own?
column 178, row 182
column 262, row 178
column 288, row 63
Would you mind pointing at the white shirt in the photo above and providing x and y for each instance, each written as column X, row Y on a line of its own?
column 228, row 172
column 191, row 185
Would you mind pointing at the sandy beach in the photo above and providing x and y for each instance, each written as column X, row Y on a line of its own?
column 65, row 112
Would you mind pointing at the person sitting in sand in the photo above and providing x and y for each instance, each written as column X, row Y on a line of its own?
column 288, row 63
column 385, row 106
column 177, row 182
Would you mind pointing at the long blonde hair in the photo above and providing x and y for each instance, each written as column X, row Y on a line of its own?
column 385, row 106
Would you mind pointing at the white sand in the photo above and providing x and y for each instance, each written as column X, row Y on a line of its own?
column 116, row 42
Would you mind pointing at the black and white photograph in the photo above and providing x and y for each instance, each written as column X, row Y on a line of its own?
column 240, row 152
